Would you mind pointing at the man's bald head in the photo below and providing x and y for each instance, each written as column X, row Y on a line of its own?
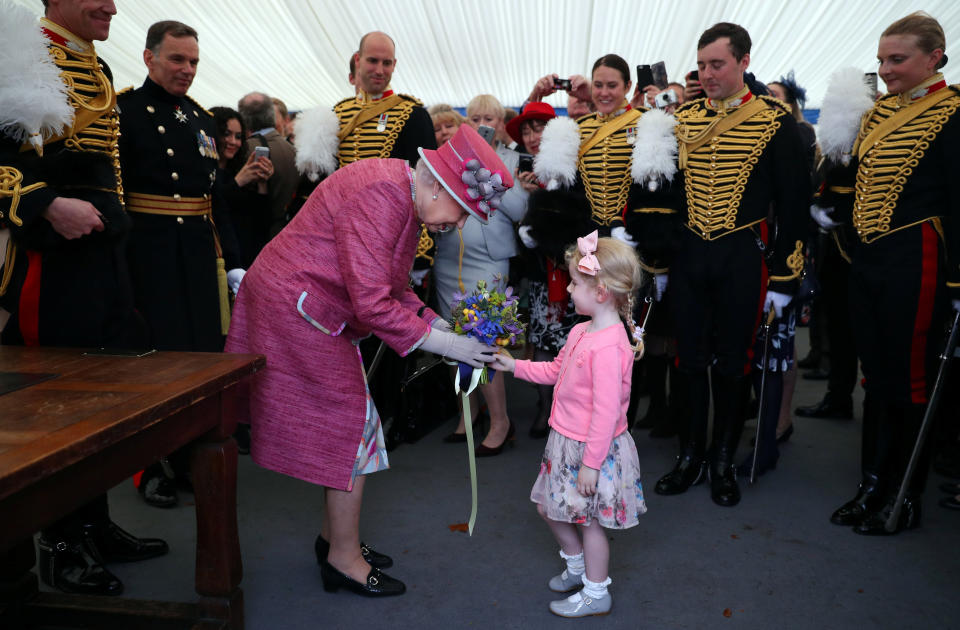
column 375, row 60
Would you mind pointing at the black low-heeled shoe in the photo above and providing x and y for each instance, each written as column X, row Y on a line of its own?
column 490, row 451
column 377, row 584
column 374, row 559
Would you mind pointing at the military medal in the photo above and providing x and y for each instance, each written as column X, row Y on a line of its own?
column 631, row 135
column 206, row 145
column 179, row 115
column 382, row 122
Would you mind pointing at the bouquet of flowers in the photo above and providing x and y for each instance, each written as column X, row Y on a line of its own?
column 490, row 316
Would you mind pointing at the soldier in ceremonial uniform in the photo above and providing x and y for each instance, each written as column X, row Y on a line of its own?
column 65, row 274
column 181, row 242
column 741, row 159
column 379, row 123
column 905, row 266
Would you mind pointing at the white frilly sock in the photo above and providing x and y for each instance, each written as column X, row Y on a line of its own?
column 575, row 564
column 595, row 590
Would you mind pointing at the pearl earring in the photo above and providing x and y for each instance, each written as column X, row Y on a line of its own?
column 435, row 197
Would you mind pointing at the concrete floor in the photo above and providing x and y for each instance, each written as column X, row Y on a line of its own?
column 774, row 561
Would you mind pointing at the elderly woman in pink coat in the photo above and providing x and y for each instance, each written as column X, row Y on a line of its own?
column 337, row 273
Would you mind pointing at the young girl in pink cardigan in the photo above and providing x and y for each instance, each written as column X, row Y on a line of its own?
column 590, row 475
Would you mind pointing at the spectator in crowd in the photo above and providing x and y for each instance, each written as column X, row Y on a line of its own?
column 579, row 103
column 479, row 251
column 446, row 121
column 259, row 116
column 283, row 123
column 66, row 279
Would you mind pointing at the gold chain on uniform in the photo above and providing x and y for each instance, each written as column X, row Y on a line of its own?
column 717, row 172
column 885, row 168
column 605, row 171
column 365, row 141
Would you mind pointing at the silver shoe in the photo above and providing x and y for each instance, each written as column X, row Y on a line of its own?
column 566, row 582
column 580, row 605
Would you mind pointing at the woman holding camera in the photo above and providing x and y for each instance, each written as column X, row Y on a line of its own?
column 478, row 251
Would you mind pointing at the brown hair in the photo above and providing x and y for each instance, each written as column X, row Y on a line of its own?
column 615, row 62
column 738, row 36
column 158, row 30
column 442, row 113
column 927, row 30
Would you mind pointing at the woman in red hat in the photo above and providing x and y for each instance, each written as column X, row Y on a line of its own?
column 337, row 273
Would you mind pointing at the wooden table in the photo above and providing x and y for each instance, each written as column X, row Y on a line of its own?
column 69, row 439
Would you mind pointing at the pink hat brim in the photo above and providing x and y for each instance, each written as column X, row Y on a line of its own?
column 443, row 174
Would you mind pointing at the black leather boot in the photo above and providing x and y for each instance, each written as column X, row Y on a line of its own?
column 69, row 567
column 690, row 467
column 875, row 448
column 724, row 489
column 108, row 542
column 856, row 509
column 729, row 401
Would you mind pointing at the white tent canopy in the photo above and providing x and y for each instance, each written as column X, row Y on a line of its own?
column 450, row 50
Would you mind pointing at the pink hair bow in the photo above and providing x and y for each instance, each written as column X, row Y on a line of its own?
column 588, row 262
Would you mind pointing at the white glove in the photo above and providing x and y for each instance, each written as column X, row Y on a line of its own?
column 417, row 276
column 822, row 217
column 458, row 347
column 620, row 233
column 777, row 301
column 528, row 241
column 441, row 324
column 234, row 276
column 956, row 305
column 659, row 285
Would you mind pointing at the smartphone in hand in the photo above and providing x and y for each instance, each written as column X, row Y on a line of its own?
column 487, row 133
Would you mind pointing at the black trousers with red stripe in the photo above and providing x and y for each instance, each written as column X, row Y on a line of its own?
column 898, row 308
column 717, row 288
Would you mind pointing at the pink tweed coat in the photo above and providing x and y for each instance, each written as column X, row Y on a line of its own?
column 336, row 273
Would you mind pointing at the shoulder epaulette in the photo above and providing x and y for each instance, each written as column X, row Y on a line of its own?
column 125, row 90
column 586, row 117
column 205, row 111
column 414, row 99
column 776, row 103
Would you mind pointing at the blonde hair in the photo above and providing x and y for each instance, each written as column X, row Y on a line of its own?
column 927, row 30
column 443, row 113
column 620, row 273
column 485, row 103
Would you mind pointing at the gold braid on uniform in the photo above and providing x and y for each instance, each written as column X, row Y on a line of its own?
column 605, row 170
column 365, row 141
column 717, row 172
column 10, row 180
column 424, row 245
column 885, row 168
column 794, row 263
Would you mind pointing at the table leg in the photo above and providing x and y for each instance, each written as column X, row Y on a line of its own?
column 219, row 568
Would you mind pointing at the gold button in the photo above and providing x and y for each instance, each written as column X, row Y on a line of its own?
column 204, row 217
column 176, row 196
column 170, row 152
column 174, row 176
column 196, row 114
column 150, row 109
column 180, row 220
column 161, row 129
column 206, row 196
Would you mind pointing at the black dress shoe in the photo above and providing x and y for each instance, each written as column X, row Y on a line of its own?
column 70, row 568
column 689, row 471
column 377, row 584
column 950, row 503
column 374, row 559
column 950, row 487
column 826, row 408
column 855, row 510
column 723, row 485
column 875, row 523
column 108, row 542
column 816, row 375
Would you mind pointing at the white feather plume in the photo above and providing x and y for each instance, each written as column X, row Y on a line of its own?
column 556, row 164
column 316, row 141
column 655, row 149
column 847, row 99
column 33, row 98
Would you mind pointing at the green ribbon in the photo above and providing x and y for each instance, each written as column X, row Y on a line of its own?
column 471, row 457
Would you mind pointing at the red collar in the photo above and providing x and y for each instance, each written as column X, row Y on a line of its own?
column 928, row 90
column 56, row 38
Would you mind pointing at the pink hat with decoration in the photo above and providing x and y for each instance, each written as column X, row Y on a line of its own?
column 471, row 171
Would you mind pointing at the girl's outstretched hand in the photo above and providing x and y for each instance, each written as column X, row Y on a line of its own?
column 503, row 362
column 587, row 481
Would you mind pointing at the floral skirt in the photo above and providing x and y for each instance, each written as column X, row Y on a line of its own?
column 372, row 450
column 618, row 502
